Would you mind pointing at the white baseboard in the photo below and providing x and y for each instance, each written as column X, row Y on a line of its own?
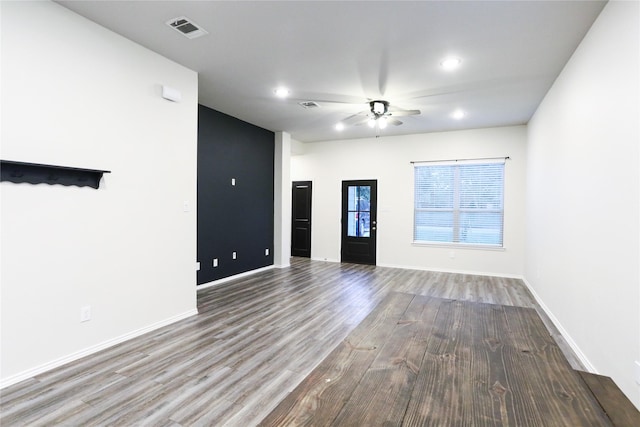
column 578, row 352
column 284, row 265
column 30, row 373
column 437, row 270
column 325, row 259
column 443, row 270
column 234, row 277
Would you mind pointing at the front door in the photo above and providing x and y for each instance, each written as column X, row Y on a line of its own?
column 359, row 217
column 301, row 219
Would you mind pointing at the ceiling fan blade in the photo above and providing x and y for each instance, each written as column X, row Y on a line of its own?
column 326, row 98
column 362, row 121
column 398, row 112
column 383, row 74
column 479, row 85
column 373, row 70
column 324, row 102
column 356, row 119
column 428, row 93
column 394, row 122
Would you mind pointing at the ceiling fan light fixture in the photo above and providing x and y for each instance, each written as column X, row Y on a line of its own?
column 371, row 122
column 378, row 107
column 382, row 122
column 339, row 126
column 450, row 63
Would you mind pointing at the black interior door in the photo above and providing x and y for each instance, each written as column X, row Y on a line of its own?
column 359, row 218
column 301, row 219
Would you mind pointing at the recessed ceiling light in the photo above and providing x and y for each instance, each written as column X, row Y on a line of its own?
column 450, row 63
column 281, row 92
column 458, row 114
column 340, row 126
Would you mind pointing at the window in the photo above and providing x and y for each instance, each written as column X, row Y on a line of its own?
column 459, row 202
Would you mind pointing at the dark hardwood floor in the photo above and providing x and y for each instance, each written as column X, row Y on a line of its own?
column 254, row 340
column 425, row 361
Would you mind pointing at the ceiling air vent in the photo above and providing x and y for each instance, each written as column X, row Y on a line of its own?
column 308, row 104
column 186, row 27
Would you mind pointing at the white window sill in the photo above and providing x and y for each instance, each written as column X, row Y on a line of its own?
column 459, row 246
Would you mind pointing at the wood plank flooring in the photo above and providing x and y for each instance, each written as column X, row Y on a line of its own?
column 615, row 404
column 424, row 361
column 254, row 340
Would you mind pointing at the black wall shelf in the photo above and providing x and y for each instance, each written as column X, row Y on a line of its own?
column 34, row 173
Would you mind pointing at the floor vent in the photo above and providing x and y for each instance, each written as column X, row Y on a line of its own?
column 186, row 27
column 309, row 104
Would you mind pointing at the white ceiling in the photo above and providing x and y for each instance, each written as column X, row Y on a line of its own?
column 334, row 52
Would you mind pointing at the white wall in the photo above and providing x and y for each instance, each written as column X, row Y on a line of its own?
column 387, row 159
column 583, row 195
column 75, row 94
column 282, row 200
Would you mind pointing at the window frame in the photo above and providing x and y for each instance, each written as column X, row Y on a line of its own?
column 455, row 209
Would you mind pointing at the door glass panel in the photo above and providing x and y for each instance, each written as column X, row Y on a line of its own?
column 352, row 222
column 358, row 215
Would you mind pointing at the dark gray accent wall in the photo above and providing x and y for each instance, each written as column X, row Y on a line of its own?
column 233, row 218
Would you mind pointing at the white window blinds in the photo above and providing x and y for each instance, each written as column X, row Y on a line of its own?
column 459, row 202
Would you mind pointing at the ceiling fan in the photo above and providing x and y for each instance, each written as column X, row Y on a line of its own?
column 380, row 114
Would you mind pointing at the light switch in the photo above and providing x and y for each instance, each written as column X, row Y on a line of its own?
column 185, row 206
column 233, row 181
column 233, row 255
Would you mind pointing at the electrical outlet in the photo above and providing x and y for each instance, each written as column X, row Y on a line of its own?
column 233, row 181
column 266, row 252
column 637, row 372
column 215, row 262
column 185, row 206
column 234, row 255
column 198, row 266
column 85, row 313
